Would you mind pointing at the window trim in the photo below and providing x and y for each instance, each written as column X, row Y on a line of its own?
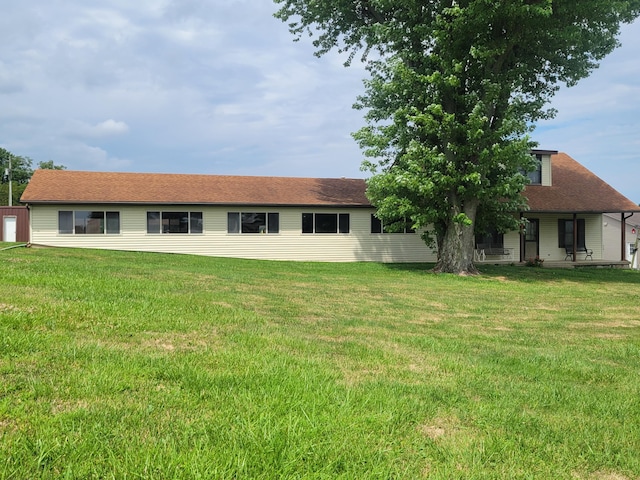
column 271, row 220
column 106, row 220
column 310, row 223
column 159, row 228
column 562, row 232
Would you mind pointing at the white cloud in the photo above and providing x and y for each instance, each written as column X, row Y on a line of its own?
column 220, row 87
column 106, row 128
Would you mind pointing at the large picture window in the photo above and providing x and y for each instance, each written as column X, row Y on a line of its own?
column 565, row 233
column 325, row 223
column 253, row 222
column 174, row 222
column 397, row 226
column 88, row 222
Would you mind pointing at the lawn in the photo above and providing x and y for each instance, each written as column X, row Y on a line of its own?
column 147, row 366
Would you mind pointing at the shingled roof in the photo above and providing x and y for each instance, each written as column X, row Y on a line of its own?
column 575, row 190
column 76, row 187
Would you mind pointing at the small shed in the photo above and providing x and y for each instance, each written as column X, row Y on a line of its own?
column 14, row 224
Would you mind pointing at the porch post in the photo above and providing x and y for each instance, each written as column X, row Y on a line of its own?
column 575, row 236
column 623, row 232
column 522, row 235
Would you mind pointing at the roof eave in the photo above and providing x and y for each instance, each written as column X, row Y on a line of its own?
column 212, row 204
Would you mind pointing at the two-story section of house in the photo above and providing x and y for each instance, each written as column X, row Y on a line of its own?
column 565, row 217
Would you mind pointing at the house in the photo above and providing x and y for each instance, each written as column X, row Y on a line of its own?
column 272, row 218
column 279, row 218
column 566, row 206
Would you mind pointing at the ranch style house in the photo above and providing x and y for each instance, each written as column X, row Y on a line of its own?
column 305, row 219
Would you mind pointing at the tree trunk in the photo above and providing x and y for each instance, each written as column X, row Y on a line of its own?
column 455, row 252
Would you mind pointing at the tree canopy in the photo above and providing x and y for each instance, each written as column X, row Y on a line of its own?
column 20, row 174
column 455, row 90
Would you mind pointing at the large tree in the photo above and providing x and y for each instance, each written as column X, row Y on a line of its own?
column 455, row 89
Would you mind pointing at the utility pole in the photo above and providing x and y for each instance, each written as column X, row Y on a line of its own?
column 6, row 177
column 10, row 184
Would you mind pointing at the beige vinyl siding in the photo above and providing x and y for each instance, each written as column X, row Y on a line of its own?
column 612, row 236
column 549, row 249
column 546, row 171
column 289, row 244
column 512, row 240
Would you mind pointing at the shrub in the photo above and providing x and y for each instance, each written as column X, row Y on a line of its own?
column 535, row 262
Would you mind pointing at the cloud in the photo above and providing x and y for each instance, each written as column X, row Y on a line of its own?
column 103, row 130
column 220, row 87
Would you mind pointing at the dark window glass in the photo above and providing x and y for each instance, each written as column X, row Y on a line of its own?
column 175, row 222
column 376, row 224
column 307, row 223
column 274, row 223
column 86, row 222
column 153, row 222
column 195, row 222
column 113, row 222
column 254, row 223
column 531, row 232
column 233, row 222
column 326, row 223
column 65, row 221
column 343, row 223
column 565, row 233
column 491, row 239
column 535, row 177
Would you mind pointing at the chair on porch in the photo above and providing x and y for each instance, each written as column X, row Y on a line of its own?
column 581, row 249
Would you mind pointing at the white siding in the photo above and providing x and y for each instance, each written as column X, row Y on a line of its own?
column 289, row 244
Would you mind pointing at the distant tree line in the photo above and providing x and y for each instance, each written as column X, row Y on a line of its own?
column 18, row 170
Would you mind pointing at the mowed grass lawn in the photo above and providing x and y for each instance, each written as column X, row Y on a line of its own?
column 149, row 366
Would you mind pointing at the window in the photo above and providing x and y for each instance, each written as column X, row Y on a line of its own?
column 65, row 222
column 253, row 222
column 153, row 222
column 490, row 239
column 174, row 222
column 565, row 233
column 113, row 222
column 195, row 222
column 325, row 223
column 535, row 176
column 85, row 222
column 396, row 226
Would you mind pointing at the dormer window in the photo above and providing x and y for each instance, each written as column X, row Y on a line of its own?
column 535, row 176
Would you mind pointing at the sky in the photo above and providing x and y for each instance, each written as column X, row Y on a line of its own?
column 220, row 87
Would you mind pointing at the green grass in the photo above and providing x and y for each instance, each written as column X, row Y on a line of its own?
column 136, row 366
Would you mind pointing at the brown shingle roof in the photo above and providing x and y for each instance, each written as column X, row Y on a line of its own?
column 67, row 186
column 575, row 189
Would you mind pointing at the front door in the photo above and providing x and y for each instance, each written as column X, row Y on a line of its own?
column 532, row 239
column 9, row 229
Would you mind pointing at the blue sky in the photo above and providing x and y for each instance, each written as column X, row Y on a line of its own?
column 188, row 86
